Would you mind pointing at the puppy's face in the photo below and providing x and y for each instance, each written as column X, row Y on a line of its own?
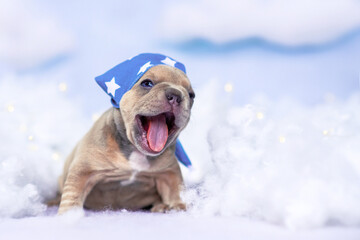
column 157, row 108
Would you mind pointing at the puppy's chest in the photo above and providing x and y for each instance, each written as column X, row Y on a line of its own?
column 138, row 163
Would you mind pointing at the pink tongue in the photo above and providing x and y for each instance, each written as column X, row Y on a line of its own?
column 157, row 134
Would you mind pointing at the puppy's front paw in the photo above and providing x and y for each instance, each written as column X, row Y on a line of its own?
column 178, row 207
column 160, row 208
column 163, row 208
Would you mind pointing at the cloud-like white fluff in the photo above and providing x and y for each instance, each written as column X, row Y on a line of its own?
column 285, row 22
column 280, row 162
column 39, row 126
column 28, row 37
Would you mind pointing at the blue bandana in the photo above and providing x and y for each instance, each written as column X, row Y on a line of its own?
column 121, row 78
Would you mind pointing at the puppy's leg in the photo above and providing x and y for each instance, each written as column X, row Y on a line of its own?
column 168, row 186
column 76, row 188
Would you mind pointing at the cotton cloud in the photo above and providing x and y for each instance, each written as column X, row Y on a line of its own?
column 39, row 127
column 277, row 161
column 285, row 22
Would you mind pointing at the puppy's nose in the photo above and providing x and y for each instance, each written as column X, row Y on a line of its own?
column 173, row 96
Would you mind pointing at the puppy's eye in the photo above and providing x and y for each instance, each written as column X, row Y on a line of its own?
column 191, row 95
column 147, row 83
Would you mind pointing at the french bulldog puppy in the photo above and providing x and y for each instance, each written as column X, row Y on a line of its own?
column 127, row 159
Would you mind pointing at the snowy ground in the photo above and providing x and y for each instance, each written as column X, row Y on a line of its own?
column 158, row 226
column 274, row 132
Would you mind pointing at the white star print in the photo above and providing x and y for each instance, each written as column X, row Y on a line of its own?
column 144, row 67
column 112, row 87
column 169, row 62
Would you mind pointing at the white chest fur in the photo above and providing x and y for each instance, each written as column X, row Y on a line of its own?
column 138, row 161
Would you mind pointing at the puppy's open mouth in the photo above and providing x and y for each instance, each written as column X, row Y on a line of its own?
column 156, row 130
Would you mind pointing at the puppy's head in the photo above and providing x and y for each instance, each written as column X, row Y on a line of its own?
column 157, row 108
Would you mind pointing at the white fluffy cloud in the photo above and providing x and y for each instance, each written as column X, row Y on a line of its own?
column 39, row 126
column 286, row 22
column 280, row 162
column 29, row 37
